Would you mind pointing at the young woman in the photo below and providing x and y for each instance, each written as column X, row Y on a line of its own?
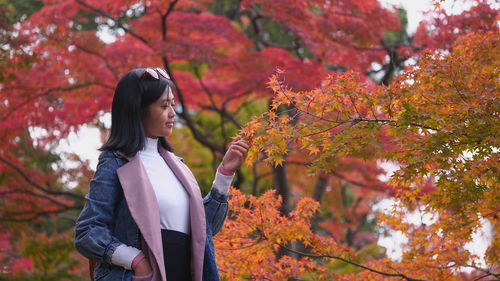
column 145, row 218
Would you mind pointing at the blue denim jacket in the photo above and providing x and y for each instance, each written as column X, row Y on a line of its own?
column 105, row 223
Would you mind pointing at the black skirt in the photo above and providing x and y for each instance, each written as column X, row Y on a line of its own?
column 177, row 255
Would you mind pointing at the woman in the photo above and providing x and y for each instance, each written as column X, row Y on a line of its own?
column 145, row 218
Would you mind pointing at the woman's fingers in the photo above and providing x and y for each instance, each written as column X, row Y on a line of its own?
column 241, row 143
column 239, row 152
column 236, row 154
column 239, row 148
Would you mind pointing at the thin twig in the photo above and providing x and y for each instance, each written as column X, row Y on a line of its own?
column 119, row 23
column 356, row 264
column 38, row 186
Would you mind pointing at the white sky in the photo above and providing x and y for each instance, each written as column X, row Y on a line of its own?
column 414, row 9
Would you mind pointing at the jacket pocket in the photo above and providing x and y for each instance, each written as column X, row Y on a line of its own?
column 143, row 277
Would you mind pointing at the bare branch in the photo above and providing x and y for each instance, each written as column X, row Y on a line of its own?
column 37, row 195
column 184, row 114
column 485, row 270
column 88, row 51
column 119, row 23
column 10, row 218
column 40, row 95
column 47, row 190
column 356, row 264
column 164, row 19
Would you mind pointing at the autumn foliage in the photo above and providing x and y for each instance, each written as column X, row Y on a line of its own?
column 326, row 91
column 438, row 122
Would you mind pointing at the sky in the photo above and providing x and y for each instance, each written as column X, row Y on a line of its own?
column 87, row 141
column 414, row 9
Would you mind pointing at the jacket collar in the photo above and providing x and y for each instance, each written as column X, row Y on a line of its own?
column 139, row 193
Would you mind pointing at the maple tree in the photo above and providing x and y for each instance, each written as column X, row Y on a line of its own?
column 58, row 73
column 440, row 30
column 439, row 122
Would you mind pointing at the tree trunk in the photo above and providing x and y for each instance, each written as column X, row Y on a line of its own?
column 320, row 187
column 280, row 182
column 319, row 191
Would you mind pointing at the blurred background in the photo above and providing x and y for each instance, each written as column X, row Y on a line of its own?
column 61, row 59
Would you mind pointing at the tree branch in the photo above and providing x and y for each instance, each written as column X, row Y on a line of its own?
column 212, row 101
column 485, row 270
column 164, row 20
column 223, row 113
column 37, row 215
column 184, row 114
column 37, row 186
column 356, row 264
column 37, row 195
column 88, row 51
column 119, row 23
column 30, row 99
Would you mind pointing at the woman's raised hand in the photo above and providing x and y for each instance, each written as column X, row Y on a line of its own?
column 235, row 155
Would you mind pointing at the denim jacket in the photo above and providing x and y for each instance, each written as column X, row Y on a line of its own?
column 107, row 219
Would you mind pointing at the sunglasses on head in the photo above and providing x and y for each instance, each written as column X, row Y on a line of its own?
column 154, row 73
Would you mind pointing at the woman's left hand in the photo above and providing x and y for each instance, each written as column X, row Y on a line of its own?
column 235, row 155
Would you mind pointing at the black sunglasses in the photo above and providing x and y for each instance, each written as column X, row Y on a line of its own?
column 153, row 73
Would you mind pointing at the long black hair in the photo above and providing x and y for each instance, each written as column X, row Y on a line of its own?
column 133, row 94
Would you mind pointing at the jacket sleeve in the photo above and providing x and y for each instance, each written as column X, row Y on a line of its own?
column 216, row 203
column 93, row 237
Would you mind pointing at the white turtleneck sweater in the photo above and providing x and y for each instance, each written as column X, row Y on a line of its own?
column 172, row 197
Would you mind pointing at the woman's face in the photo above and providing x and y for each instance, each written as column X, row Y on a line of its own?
column 159, row 122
